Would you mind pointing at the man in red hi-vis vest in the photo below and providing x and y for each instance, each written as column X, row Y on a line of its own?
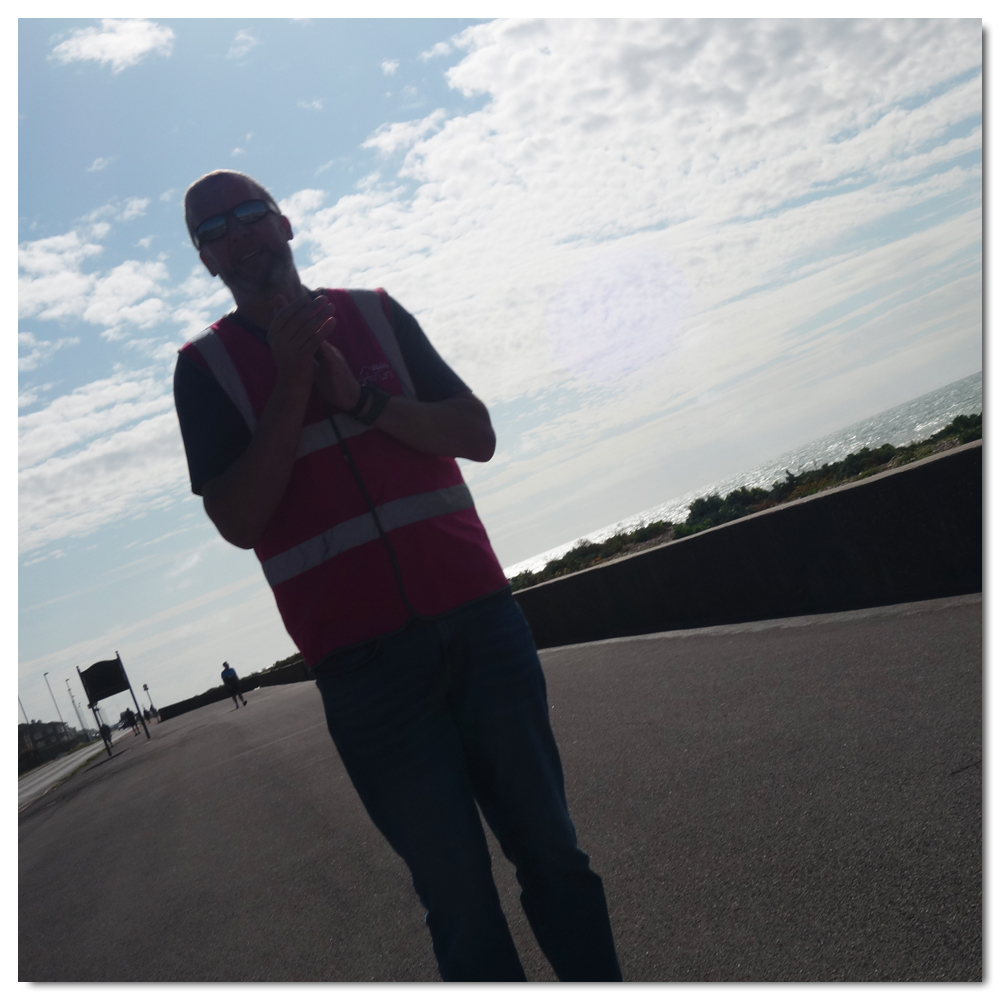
column 321, row 429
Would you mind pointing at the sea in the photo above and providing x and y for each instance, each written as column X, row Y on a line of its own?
column 911, row 421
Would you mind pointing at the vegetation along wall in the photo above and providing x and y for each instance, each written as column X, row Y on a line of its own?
column 909, row 534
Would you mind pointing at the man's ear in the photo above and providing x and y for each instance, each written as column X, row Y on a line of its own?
column 211, row 270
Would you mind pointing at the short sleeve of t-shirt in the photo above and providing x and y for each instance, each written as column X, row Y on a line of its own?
column 432, row 379
column 215, row 434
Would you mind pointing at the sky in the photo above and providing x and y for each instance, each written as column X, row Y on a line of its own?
column 659, row 251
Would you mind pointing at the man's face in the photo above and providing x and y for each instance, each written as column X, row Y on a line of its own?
column 252, row 260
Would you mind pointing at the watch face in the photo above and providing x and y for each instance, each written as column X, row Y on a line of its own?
column 363, row 396
column 378, row 398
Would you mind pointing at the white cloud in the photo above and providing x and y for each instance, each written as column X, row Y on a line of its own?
column 92, row 411
column 167, row 195
column 51, row 284
column 100, row 163
column 39, row 351
column 126, row 284
column 389, row 66
column 185, row 564
column 127, row 297
column 238, row 152
column 134, row 208
column 616, row 313
column 132, row 296
column 301, row 205
column 440, row 49
column 673, row 134
column 390, row 138
column 316, row 105
column 119, row 44
column 108, row 450
column 242, row 44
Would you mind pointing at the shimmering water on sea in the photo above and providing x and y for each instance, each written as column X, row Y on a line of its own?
column 911, row 421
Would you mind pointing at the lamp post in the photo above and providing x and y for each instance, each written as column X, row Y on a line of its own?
column 72, row 700
column 152, row 709
column 54, row 702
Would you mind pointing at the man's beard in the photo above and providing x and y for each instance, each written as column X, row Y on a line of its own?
column 270, row 280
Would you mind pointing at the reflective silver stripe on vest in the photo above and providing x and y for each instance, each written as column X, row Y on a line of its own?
column 211, row 348
column 312, row 437
column 370, row 306
column 361, row 529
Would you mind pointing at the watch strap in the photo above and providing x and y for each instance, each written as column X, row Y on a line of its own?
column 363, row 396
column 379, row 399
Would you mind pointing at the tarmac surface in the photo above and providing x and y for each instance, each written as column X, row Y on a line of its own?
column 796, row 800
column 39, row 780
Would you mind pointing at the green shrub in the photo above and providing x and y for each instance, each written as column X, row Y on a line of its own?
column 707, row 512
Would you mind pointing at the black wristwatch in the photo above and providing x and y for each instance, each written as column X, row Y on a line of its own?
column 362, row 402
column 371, row 402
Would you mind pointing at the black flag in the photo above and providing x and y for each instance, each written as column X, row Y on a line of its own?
column 103, row 679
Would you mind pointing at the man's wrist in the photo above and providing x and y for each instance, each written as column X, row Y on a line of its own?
column 289, row 399
column 371, row 402
column 364, row 398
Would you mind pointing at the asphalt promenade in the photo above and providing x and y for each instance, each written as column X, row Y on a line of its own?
column 796, row 800
column 39, row 780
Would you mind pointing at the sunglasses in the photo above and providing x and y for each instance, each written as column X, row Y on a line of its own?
column 216, row 226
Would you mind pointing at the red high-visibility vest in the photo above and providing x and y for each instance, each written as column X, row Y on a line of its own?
column 330, row 567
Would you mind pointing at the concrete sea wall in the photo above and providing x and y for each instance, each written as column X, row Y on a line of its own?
column 910, row 534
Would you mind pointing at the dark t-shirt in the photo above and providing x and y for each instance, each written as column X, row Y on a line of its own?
column 215, row 434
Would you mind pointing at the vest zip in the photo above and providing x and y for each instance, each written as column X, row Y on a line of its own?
column 396, row 572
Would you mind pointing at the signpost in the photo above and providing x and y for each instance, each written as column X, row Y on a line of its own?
column 101, row 680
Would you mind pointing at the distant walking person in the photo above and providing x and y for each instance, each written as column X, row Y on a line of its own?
column 232, row 681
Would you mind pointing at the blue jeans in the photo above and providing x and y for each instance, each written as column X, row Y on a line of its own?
column 446, row 714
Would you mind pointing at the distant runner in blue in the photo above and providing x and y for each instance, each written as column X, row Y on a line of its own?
column 232, row 681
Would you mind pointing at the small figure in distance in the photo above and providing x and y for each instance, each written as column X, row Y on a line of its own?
column 232, row 681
